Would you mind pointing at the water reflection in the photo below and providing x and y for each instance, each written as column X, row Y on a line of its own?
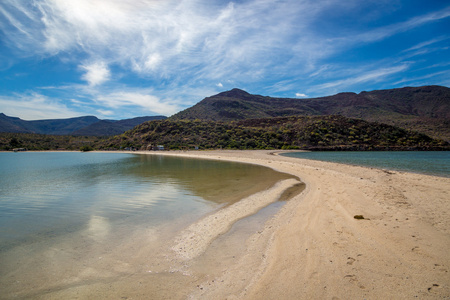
column 70, row 220
column 60, row 192
column 98, row 228
column 214, row 181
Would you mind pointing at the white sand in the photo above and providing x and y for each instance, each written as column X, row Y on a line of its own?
column 315, row 249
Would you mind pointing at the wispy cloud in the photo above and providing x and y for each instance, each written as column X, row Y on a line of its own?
column 161, row 56
column 427, row 43
column 105, row 113
column 145, row 101
column 160, row 38
column 204, row 39
column 369, row 75
column 34, row 107
column 414, row 79
column 396, row 28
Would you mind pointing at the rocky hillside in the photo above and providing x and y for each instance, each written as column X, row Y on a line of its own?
column 296, row 132
column 425, row 109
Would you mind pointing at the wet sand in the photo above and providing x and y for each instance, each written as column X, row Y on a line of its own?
column 314, row 248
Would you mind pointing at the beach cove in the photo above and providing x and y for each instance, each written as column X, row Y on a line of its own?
column 312, row 248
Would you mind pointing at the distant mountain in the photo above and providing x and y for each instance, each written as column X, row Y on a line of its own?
column 51, row 126
column 424, row 109
column 87, row 126
column 109, row 127
column 12, row 124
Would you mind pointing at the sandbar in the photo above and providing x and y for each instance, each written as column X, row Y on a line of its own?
column 315, row 248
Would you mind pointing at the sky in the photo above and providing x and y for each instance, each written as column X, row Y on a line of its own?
column 118, row 59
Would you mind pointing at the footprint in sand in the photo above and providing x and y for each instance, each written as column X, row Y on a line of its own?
column 433, row 287
column 350, row 260
column 416, row 249
column 352, row 278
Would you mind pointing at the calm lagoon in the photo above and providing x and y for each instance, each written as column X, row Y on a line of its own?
column 424, row 162
column 68, row 220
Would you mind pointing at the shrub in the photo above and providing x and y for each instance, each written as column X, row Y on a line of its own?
column 86, row 148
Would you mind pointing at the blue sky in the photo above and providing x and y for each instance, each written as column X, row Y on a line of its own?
column 121, row 59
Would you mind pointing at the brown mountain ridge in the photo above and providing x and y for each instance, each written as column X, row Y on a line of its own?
column 424, row 109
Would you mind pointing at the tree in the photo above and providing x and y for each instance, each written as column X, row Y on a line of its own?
column 14, row 143
column 85, row 148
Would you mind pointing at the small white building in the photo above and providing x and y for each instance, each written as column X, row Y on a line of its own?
column 155, row 148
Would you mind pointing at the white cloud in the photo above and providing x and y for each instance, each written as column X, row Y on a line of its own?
column 77, row 102
column 181, row 47
column 320, row 71
column 163, row 38
column 300, row 95
column 412, row 80
column 35, row 107
column 153, row 61
column 393, row 29
column 104, row 112
column 96, row 73
column 362, row 76
column 147, row 102
column 426, row 43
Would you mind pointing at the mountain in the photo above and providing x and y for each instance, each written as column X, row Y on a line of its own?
column 87, row 125
column 424, row 109
column 12, row 124
column 51, row 126
column 109, row 127
column 295, row 132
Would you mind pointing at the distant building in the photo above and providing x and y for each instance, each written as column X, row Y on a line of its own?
column 155, row 148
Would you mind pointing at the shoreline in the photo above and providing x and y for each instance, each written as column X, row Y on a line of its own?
column 314, row 248
column 309, row 247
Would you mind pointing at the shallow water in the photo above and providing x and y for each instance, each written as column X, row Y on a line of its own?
column 425, row 162
column 71, row 223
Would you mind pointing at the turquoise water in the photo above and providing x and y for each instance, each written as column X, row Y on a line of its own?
column 425, row 162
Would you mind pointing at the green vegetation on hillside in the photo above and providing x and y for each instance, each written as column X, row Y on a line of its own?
column 310, row 132
column 37, row 142
column 296, row 132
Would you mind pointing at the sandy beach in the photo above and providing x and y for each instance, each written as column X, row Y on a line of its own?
column 314, row 248
column 310, row 247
